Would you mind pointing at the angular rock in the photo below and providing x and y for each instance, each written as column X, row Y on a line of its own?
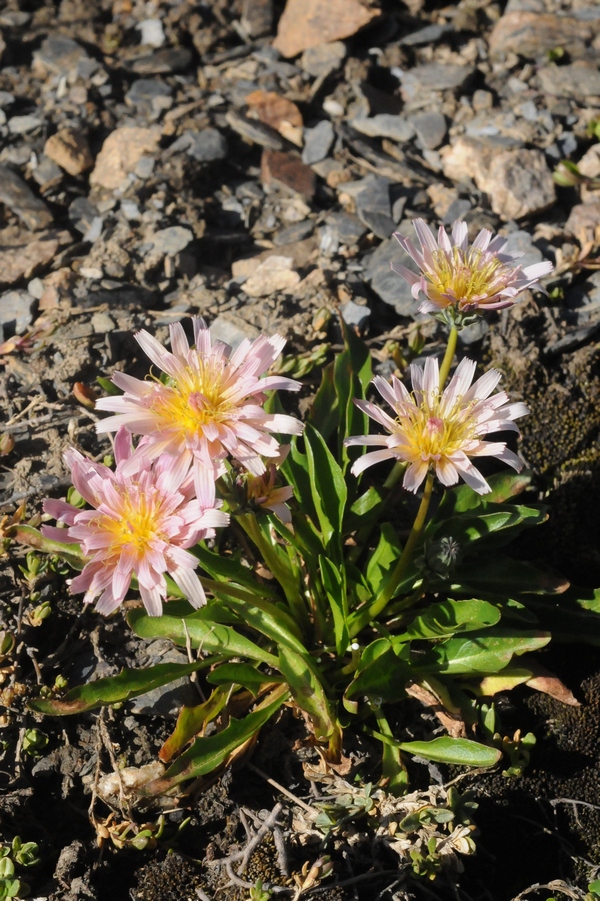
column 373, row 206
column 584, row 221
column 20, row 199
column 384, row 125
column 82, row 214
column 58, row 54
column 257, row 17
column 272, row 275
column 47, row 173
column 170, row 241
column 288, row 170
column 306, row 23
column 163, row 62
column 348, row 229
column 149, row 92
column 435, row 77
column 532, row 34
column 520, row 242
column 207, row 145
column 232, row 330
column 296, row 232
column 322, row 59
column 21, row 125
column 577, row 81
column 355, row 314
column 430, row 128
column 16, row 312
column 471, row 158
column 69, row 148
column 23, row 254
column 385, row 282
column 427, row 35
column 151, row 33
column 278, row 112
column 254, row 131
column 317, row 142
column 120, row 154
column 520, row 184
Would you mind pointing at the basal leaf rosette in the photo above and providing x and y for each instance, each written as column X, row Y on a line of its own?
column 141, row 523
column 440, row 430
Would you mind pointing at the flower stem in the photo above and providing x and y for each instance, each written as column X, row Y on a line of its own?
column 394, row 580
column 448, row 356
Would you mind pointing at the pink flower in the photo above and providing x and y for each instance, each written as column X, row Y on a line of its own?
column 262, row 490
column 211, row 405
column 470, row 279
column 441, row 430
column 140, row 525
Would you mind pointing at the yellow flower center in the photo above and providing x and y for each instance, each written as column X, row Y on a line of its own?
column 467, row 276
column 430, row 436
column 137, row 527
column 195, row 400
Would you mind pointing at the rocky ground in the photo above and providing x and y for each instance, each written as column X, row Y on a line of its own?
column 248, row 161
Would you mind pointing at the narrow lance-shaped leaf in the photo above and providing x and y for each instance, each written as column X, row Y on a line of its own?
column 449, row 617
column 128, row 684
column 456, row 751
column 191, row 721
column 334, row 583
column 200, row 632
column 307, row 691
column 213, row 751
column 329, row 491
column 479, row 653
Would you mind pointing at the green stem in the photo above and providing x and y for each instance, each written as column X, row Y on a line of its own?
column 373, row 610
column 278, row 567
column 448, row 356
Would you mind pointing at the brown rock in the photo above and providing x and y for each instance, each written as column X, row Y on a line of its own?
column 278, row 112
column 257, row 17
column 120, row 154
column 23, row 254
column 306, row 23
column 70, row 150
column 272, row 275
column 517, row 181
column 470, row 158
column 18, row 197
column 287, row 170
column 584, row 221
column 520, row 184
column 533, row 34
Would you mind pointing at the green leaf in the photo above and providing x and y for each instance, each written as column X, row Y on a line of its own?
column 211, row 752
column 307, row 691
column 241, row 674
column 108, row 386
column 230, row 569
column 488, row 652
column 491, row 527
column 456, row 751
column 354, row 361
column 449, row 617
column 504, row 485
column 324, row 413
column 192, row 720
column 384, row 556
column 334, row 583
column 201, row 632
column 329, row 492
column 295, row 471
column 31, row 537
column 365, row 511
column 128, row 684
column 381, row 675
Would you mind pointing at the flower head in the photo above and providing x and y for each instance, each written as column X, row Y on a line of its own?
column 140, row 525
column 441, row 430
column 211, row 405
column 263, row 491
column 467, row 279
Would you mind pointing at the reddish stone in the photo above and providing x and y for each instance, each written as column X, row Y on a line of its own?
column 287, row 169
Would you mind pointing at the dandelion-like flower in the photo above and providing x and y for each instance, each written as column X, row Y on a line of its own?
column 441, row 430
column 211, row 405
column 140, row 524
column 468, row 279
column 263, row 491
